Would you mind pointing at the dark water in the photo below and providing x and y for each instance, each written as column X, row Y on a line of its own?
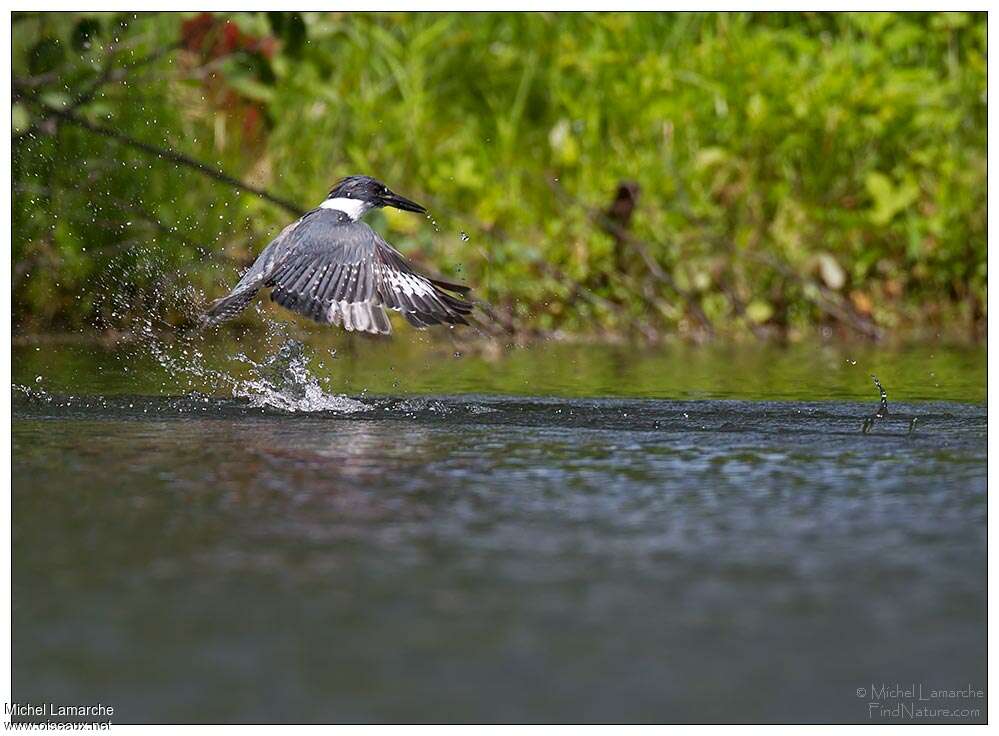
column 184, row 553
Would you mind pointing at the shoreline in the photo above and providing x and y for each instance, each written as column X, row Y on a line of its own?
column 819, row 335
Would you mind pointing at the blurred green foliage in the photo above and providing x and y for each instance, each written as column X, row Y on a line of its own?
column 794, row 170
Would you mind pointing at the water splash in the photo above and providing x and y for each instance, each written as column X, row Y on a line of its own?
column 280, row 381
column 34, row 394
column 882, row 411
column 283, row 381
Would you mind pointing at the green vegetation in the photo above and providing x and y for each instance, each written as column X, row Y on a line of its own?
column 793, row 171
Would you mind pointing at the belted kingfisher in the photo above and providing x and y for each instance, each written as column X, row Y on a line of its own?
column 334, row 269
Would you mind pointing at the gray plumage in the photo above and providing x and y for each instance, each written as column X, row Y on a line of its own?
column 335, row 270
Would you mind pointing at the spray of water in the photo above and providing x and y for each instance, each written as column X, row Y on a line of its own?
column 281, row 381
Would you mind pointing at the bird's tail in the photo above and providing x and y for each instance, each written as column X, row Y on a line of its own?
column 228, row 306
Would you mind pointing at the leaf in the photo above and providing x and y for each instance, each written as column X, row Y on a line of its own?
column 708, row 157
column 251, row 89
column 55, row 98
column 950, row 21
column 84, row 33
column 759, row 311
column 295, row 34
column 564, row 143
column 20, row 118
column 291, row 29
column 756, row 107
column 276, row 20
column 45, row 55
column 250, row 64
column 889, row 200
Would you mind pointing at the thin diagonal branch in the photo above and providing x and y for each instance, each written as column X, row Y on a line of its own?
column 164, row 153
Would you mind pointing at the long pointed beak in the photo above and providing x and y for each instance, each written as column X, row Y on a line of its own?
column 401, row 203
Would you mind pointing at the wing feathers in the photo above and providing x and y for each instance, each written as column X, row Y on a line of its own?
column 228, row 306
column 339, row 272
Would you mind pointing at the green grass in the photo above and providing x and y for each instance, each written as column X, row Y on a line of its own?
column 796, row 170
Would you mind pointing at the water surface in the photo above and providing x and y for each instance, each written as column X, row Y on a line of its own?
column 569, row 533
column 415, row 363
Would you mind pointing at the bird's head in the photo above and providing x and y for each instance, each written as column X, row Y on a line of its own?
column 355, row 195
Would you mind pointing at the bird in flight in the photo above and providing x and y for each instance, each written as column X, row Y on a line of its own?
column 333, row 268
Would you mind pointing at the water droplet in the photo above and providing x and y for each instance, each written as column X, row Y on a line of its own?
column 851, row 362
column 464, row 236
column 38, row 379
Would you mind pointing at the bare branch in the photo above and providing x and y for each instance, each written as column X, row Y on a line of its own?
column 166, row 154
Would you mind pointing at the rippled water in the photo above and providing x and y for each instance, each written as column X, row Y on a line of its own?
column 363, row 532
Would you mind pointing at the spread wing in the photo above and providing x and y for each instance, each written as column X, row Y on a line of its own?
column 243, row 292
column 336, row 271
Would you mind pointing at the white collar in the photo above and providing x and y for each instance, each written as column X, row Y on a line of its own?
column 353, row 208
